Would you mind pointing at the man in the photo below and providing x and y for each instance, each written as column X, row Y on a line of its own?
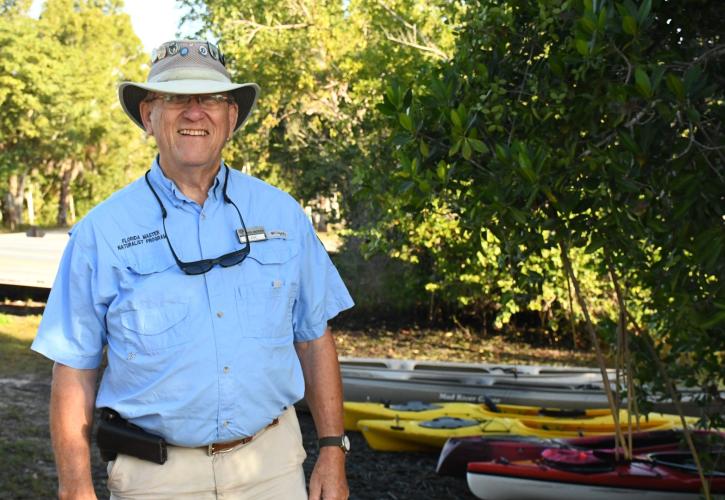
column 210, row 293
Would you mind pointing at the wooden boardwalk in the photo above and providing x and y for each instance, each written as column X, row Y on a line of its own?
column 31, row 261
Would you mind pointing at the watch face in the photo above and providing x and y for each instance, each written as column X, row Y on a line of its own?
column 345, row 443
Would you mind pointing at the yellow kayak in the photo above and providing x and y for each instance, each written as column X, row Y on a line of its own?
column 565, row 429
column 426, row 435
column 415, row 410
column 430, row 435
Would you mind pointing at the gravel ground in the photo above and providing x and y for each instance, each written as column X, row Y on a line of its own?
column 375, row 475
column 27, row 470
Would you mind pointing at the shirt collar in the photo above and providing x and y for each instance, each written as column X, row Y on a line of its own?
column 172, row 191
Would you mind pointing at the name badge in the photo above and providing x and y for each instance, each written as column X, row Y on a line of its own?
column 253, row 233
column 281, row 235
column 257, row 233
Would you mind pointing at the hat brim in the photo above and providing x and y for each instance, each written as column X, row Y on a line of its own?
column 131, row 94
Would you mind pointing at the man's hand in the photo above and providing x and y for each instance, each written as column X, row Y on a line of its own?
column 85, row 493
column 328, row 481
column 71, row 418
column 323, row 393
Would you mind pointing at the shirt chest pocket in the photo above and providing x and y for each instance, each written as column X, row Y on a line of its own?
column 266, row 299
column 155, row 326
column 152, row 317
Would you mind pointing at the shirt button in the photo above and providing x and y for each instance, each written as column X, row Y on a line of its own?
column 226, row 369
column 219, row 314
column 203, row 216
column 226, row 423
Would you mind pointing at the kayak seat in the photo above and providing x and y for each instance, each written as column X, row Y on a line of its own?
column 682, row 460
column 413, row 406
column 559, row 413
column 449, row 423
column 572, row 460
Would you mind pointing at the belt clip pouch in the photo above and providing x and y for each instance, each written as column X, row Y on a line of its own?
column 115, row 435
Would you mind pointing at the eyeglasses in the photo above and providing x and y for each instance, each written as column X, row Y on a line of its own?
column 204, row 265
column 208, row 101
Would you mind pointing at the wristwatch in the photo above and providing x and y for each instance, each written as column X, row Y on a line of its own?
column 342, row 442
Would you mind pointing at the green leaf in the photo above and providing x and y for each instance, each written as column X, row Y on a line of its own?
column 582, row 46
column 483, row 71
column 657, row 76
column 408, row 98
column 424, row 149
column 549, row 194
column 386, row 108
column 629, row 25
column 478, row 145
column 602, row 20
column 628, row 141
column 456, row 119
column 392, row 92
column 467, row 151
column 456, row 146
column 441, row 170
column 526, row 168
column 693, row 77
column 642, row 82
column 501, row 152
column 401, row 138
column 715, row 320
column 406, row 121
column 588, row 24
column 644, row 10
column 675, row 85
column 519, row 215
column 557, row 67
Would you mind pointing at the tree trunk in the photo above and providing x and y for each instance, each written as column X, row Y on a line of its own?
column 13, row 203
column 619, row 437
column 69, row 171
column 29, row 203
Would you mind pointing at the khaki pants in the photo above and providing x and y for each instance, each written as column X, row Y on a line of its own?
column 268, row 467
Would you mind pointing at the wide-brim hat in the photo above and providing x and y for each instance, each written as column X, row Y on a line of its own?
column 188, row 67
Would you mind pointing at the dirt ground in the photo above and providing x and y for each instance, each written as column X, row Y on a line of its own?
column 28, row 471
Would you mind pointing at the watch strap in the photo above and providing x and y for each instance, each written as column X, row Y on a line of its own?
column 336, row 441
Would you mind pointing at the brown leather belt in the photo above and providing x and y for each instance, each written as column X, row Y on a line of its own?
column 214, row 448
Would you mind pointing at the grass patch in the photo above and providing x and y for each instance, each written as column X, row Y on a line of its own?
column 16, row 358
column 27, row 468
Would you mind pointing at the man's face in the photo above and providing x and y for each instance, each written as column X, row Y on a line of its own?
column 188, row 134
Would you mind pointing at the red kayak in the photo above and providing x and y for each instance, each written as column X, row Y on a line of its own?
column 458, row 452
column 566, row 474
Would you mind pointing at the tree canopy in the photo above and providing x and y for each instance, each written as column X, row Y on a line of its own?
column 62, row 131
column 557, row 162
column 578, row 128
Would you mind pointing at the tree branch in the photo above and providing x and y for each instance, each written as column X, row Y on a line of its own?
column 256, row 27
column 411, row 40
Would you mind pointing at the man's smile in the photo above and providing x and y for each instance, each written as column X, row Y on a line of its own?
column 191, row 131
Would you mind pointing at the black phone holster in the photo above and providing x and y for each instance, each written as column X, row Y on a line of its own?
column 116, row 435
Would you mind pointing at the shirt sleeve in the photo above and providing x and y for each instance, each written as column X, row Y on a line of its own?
column 322, row 293
column 72, row 331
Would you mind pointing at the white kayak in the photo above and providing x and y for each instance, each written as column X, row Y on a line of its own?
column 454, row 366
column 382, row 380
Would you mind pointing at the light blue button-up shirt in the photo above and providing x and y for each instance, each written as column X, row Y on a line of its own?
column 195, row 359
